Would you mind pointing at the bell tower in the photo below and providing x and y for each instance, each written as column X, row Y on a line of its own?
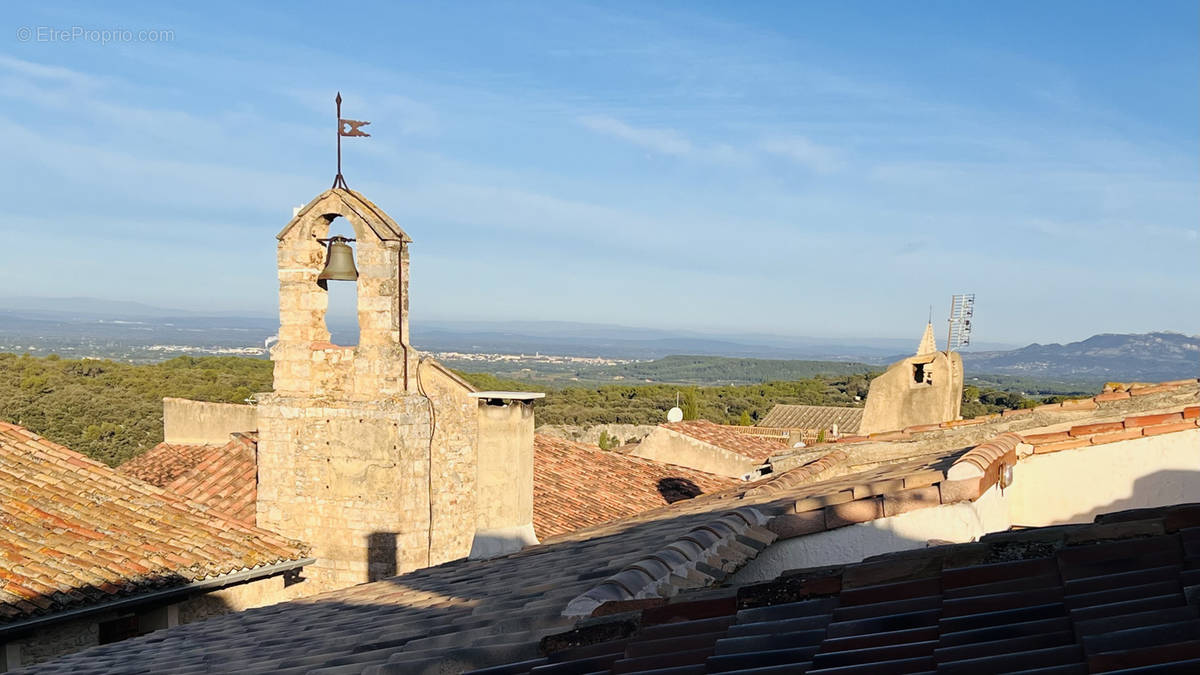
column 365, row 452
column 377, row 456
column 306, row 363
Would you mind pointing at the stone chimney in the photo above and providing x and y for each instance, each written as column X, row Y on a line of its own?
column 504, row 473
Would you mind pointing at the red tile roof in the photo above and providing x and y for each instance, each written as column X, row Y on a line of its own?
column 1068, row 599
column 77, row 532
column 164, row 462
column 576, row 485
column 223, row 478
column 903, row 485
column 470, row 614
column 786, row 416
column 727, row 438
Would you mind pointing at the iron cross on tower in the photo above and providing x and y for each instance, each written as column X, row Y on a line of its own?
column 345, row 128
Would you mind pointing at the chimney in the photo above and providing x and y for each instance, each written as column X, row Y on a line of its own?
column 504, row 473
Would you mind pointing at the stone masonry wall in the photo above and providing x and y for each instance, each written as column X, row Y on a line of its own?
column 349, row 458
column 350, row 479
column 187, row 422
column 258, row 593
column 305, row 361
column 455, row 457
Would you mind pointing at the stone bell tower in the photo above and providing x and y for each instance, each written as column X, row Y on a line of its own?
column 306, row 363
column 369, row 453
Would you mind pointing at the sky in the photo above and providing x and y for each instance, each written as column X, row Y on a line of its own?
column 815, row 168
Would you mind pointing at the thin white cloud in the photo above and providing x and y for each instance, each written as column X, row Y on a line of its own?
column 41, row 71
column 805, row 152
column 664, row 141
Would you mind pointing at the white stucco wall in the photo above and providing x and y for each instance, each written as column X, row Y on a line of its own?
column 671, row 447
column 956, row 523
column 1071, row 486
column 1074, row 486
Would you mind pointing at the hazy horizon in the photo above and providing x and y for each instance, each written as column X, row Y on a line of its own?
column 592, row 329
column 791, row 168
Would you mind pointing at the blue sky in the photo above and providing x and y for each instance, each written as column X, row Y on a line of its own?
column 826, row 169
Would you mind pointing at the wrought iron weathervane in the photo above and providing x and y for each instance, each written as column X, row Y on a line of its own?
column 345, row 128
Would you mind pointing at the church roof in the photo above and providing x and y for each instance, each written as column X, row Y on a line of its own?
column 78, row 533
column 784, row 416
column 352, row 206
column 470, row 614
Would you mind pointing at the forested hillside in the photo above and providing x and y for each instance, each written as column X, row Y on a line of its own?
column 649, row 403
column 112, row 411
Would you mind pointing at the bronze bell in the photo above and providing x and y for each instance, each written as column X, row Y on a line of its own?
column 339, row 263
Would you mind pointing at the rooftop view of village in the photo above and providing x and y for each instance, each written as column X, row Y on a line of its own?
column 600, row 338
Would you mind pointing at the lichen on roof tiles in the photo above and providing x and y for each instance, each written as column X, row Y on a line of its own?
column 78, row 532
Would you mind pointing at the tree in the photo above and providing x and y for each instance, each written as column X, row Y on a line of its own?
column 745, row 420
column 691, row 404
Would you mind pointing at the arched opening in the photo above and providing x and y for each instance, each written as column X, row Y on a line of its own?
column 341, row 316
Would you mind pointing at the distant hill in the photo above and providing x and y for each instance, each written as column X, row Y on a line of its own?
column 716, row 369
column 1145, row 357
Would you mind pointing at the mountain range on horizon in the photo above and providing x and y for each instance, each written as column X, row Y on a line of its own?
column 70, row 324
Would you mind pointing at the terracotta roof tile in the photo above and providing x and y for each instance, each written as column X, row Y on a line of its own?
column 164, row 462
column 726, row 438
column 784, row 416
column 576, row 485
column 223, row 478
column 1072, row 597
column 468, row 614
column 78, row 532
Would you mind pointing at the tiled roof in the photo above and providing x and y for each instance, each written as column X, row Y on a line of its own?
column 468, row 614
column 576, row 485
column 1101, row 597
column 784, row 416
column 726, row 438
column 164, row 462
column 77, row 533
column 224, row 478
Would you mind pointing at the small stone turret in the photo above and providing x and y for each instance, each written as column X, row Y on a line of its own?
column 922, row 389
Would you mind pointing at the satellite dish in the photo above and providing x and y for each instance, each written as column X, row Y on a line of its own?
column 674, row 415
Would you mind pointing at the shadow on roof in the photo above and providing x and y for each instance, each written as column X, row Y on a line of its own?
column 449, row 618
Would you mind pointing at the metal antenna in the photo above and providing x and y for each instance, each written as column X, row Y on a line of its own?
column 962, row 308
